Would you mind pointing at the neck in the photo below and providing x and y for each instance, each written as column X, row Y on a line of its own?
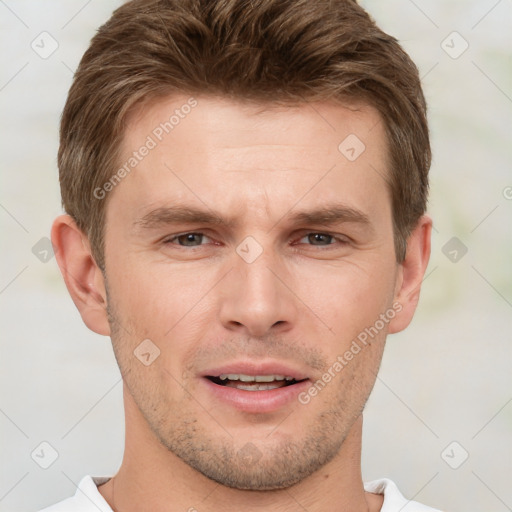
column 152, row 478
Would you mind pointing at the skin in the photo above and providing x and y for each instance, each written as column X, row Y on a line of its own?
column 301, row 302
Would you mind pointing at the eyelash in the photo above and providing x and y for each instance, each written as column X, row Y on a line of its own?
column 170, row 240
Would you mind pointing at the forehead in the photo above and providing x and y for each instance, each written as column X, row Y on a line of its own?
column 250, row 156
column 242, row 121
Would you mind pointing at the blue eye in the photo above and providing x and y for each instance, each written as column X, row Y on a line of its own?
column 197, row 239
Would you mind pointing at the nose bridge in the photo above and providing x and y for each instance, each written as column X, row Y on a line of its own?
column 255, row 299
column 255, row 274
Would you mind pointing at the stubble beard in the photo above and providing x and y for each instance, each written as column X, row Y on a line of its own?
column 277, row 463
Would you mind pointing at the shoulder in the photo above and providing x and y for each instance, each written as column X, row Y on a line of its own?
column 393, row 498
column 86, row 499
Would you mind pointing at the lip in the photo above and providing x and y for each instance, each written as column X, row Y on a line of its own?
column 256, row 401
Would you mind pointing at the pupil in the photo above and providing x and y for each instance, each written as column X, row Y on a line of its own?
column 319, row 237
column 189, row 238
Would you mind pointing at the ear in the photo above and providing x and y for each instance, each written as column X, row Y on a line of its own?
column 410, row 274
column 83, row 278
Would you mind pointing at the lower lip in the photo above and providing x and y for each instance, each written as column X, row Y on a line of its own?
column 270, row 400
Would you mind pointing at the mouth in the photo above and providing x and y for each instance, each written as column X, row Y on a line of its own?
column 253, row 382
column 255, row 387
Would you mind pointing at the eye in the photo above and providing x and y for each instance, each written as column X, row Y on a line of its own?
column 319, row 239
column 187, row 239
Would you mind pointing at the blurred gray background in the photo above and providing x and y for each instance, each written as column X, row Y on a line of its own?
column 439, row 419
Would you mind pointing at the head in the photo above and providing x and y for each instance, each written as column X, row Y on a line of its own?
column 245, row 187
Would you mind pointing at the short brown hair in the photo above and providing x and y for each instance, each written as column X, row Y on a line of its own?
column 266, row 51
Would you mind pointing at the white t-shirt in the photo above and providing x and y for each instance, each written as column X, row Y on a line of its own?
column 88, row 499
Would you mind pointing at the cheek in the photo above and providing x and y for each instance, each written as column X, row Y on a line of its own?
column 154, row 299
column 153, row 328
column 347, row 297
column 173, row 306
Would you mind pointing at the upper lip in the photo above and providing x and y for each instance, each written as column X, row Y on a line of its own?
column 256, row 368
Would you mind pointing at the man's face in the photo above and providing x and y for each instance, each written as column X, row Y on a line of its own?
column 259, row 285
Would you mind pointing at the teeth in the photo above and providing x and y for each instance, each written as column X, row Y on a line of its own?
column 253, row 378
column 268, row 378
column 257, row 387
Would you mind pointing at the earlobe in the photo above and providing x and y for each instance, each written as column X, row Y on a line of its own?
column 84, row 279
column 411, row 272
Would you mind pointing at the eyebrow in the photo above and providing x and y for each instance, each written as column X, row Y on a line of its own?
column 185, row 214
column 327, row 215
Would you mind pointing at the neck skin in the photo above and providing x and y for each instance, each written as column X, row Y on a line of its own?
column 152, row 478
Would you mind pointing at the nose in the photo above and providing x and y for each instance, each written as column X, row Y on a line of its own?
column 255, row 300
